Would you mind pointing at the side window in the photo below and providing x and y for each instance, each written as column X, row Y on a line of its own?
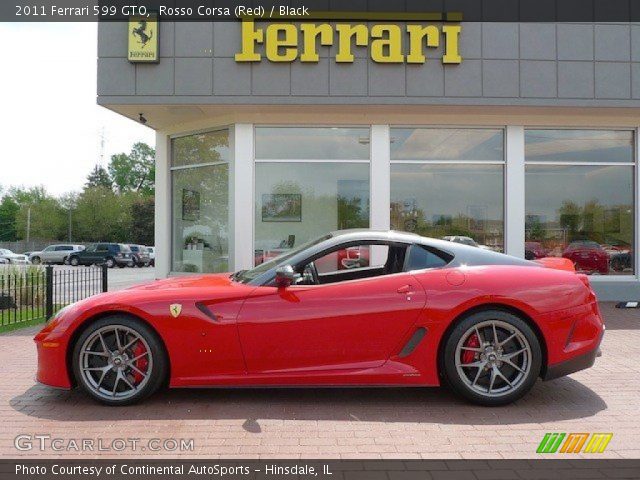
column 353, row 258
column 420, row 258
column 354, row 262
column 91, row 249
column 49, row 249
column 102, row 247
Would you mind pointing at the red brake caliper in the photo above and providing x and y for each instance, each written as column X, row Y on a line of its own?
column 141, row 364
column 472, row 342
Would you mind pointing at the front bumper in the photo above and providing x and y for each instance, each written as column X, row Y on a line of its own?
column 581, row 362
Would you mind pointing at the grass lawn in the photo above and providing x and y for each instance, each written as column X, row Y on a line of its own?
column 21, row 317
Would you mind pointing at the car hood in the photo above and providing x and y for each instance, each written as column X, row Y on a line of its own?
column 196, row 287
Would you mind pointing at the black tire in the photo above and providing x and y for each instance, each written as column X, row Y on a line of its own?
column 451, row 372
column 158, row 367
column 36, row 261
column 121, row 265
column 74, row 261
column 110, row 262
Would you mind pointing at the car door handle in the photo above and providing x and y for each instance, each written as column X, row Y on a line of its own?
column 405, row 289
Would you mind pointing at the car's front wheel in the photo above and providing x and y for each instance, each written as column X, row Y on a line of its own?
column 110, row 262
column 492, row 358
column 119, row 360
column 36, row 261
column 74, row 261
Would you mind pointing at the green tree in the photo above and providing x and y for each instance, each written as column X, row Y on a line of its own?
column 143, row 220
column 102, row 215
column 134, row 172
column 41, row 217
column 99, row 177
column 9, row 209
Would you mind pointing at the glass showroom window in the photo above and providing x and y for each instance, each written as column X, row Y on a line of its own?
column 200, row 205
column 579, row 198
column 308, row 181
column 449, row 183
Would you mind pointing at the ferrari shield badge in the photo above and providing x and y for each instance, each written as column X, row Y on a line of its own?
column 175, row 309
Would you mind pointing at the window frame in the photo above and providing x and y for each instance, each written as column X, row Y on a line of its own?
column 256, row 161
column 503, row 163
column 635, row 165
column 219, row 128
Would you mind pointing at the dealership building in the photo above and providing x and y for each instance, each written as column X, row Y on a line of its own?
column 518, row 137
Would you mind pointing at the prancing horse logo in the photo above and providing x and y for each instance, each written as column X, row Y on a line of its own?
column 142, row 34
column 175, row 309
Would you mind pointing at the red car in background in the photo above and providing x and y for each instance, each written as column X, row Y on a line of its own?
column 588, row 256
column 534, row 251
column 432, row 312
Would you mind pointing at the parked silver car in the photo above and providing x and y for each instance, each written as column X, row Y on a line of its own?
column 7, row 256
column 55, row 254
column 152, row 256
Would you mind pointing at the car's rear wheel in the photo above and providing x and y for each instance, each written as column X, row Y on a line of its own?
column 110, row 262
column 119, row 361
column 492, row 358
column 74, row 261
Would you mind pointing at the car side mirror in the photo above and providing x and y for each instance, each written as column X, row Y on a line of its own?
column 285, row 276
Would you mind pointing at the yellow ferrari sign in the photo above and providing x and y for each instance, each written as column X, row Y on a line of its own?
column 143, row 39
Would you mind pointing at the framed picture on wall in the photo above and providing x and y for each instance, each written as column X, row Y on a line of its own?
column 281, row 207
column 190, row 205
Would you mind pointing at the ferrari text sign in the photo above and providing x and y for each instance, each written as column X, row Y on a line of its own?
column 387, row 43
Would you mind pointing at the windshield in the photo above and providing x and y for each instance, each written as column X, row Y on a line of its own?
column 245, row 276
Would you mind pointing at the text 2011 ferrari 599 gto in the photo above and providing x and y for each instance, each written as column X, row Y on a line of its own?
column 416, row 312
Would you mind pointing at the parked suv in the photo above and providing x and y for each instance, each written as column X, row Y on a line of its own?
column 111, row 254
column 140, row 255
column 54, row 254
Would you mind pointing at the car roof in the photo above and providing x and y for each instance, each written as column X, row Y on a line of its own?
column 462, row 254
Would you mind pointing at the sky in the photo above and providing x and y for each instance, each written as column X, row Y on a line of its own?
column 50, row 124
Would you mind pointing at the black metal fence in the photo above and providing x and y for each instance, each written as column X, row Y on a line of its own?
column 30, row 295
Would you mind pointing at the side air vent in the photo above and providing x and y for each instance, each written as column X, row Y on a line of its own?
column 204, row 309
column 413, row 342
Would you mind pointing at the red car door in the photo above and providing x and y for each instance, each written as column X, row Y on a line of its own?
column 350, row 324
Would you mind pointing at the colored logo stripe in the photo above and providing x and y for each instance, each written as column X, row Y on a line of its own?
column 550, row 442
column 598, row 442
column 574, row 443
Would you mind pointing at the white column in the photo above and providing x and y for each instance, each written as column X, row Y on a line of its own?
column 241, row 197
column 379, row 218
column 163, row 220
column 514, row 192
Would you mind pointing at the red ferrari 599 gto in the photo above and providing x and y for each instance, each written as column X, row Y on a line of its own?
column 414, row 312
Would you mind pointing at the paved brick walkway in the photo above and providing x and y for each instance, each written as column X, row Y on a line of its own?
column 342, row 423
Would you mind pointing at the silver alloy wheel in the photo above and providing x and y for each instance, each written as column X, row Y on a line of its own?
column 116, row 362
column 110, row 263
column 74, row 261
column 501, row 358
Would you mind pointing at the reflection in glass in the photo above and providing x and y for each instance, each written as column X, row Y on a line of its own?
column 201, row 219
column 447, row 144
column 579, row 146
column 437, row 200
column 330, row 143
column 296, row 202
column 584, row 213
column 209, row 147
